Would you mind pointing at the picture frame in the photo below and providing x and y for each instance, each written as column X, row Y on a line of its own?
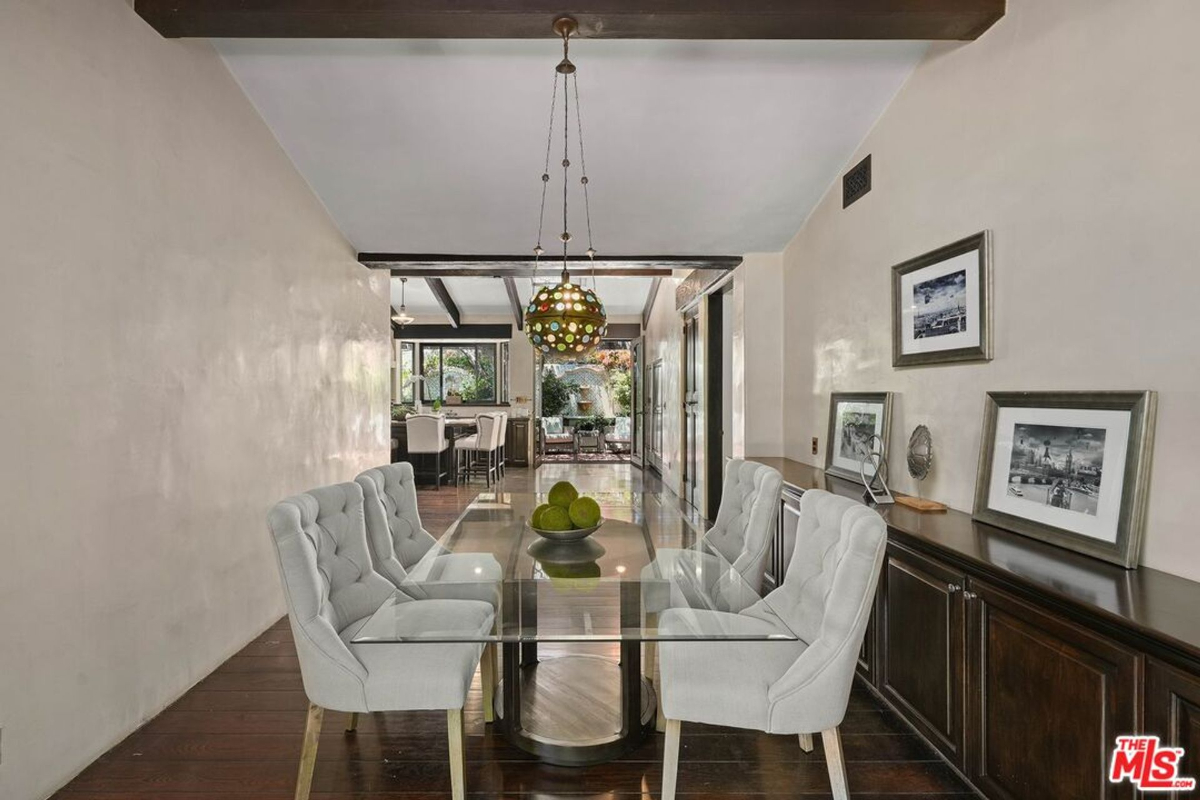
column 942, row 305
column 1068, row 468
column 853, row 418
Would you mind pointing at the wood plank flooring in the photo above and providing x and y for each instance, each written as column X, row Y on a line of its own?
column 237, row 735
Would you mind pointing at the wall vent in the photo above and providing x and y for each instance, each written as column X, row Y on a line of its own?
column 856, row 182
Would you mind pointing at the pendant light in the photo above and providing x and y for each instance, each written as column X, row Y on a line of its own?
column 565, row 319
column 402, row 317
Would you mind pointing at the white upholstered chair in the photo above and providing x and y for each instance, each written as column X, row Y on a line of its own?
column 407, row 555
column 479, row 446
column 799, row 687
column 331, row 590
column 741, row 534
column 427, row 436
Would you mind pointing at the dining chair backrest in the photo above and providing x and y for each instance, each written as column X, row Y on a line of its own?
column 826, row 600
column 502, row 432
column 426, row 433
column 745, row 522
column 488, row 432
column 320, row 543
column 395, row 535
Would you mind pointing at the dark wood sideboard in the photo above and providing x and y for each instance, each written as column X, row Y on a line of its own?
column 1019, row 662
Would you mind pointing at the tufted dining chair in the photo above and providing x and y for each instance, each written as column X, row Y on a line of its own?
column 411, row 559
column 741, row 534
column 407, row 554
column 796, row 687
column 331, row 591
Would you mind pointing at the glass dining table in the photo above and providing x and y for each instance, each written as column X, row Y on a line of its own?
column 572, row 617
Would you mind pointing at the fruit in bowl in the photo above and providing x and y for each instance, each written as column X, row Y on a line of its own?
column 567, row 515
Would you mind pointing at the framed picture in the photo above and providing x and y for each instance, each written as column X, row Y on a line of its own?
column 1068, row 468
column 854, row 417
column 942, row 305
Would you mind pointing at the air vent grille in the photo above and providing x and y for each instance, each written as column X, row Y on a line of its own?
column 856, row 182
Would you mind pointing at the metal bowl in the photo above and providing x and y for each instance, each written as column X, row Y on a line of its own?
column 573, row 535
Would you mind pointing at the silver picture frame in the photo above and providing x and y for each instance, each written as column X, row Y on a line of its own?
column 881, row 399
column 980, row 243
column 1128, row 516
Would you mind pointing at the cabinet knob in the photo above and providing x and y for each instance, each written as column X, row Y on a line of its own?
column 969, row 595
column 953, row 587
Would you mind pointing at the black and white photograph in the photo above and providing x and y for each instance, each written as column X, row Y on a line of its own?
column 1057, row 467
column 1069, row 468
column 941, row 305
column 854, row 419
column 857, row 429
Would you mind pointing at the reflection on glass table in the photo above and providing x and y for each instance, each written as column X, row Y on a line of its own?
column 607, row 588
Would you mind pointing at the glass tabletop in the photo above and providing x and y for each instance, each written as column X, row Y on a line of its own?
column 618, row 584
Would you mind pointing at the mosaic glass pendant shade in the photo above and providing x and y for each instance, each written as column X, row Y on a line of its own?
column 566, row 319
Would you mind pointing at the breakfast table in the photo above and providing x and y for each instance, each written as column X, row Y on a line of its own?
column 572, row 617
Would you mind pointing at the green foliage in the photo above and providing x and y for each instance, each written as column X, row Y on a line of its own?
column 556, row 394
column 620, row 387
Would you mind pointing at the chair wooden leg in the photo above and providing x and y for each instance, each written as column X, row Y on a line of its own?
column 352, row 725
column 806, row 742
column 308, row 753
column 671, row 759
column 487, row 677
column 458, row 760
column 832, row 740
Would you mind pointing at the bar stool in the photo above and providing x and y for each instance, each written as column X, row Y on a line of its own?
column 503, row 435
column 485, row 441
column 427, row 436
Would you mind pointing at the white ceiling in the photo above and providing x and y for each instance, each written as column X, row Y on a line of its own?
column 707, row 148
column 478, row 298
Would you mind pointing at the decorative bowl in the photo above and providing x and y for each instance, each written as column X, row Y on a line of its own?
column 573, row 535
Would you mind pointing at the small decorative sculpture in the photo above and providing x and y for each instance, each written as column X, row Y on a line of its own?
column 877, row 491
column 920, row 462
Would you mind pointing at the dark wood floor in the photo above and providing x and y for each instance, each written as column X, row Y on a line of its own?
column 237, row 734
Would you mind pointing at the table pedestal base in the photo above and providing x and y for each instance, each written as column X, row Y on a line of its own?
column 575, row 710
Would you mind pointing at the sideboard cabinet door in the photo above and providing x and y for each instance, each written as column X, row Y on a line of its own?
column 1173, row 713
column 922, row 646
column 1046, row 700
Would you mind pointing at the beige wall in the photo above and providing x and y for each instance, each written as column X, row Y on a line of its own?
column 758, row 293
column 186, row 339
column 1069, row 130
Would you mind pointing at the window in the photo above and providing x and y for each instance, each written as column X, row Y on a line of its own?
column 407, row 365
column 467, row 369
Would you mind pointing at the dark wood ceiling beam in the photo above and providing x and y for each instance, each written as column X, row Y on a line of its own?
column 514, row 300
column 438, row 286
column 650, row 297
column 423, row 265
column 599, row 19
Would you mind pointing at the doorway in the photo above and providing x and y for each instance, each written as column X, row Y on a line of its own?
column 586, row 405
